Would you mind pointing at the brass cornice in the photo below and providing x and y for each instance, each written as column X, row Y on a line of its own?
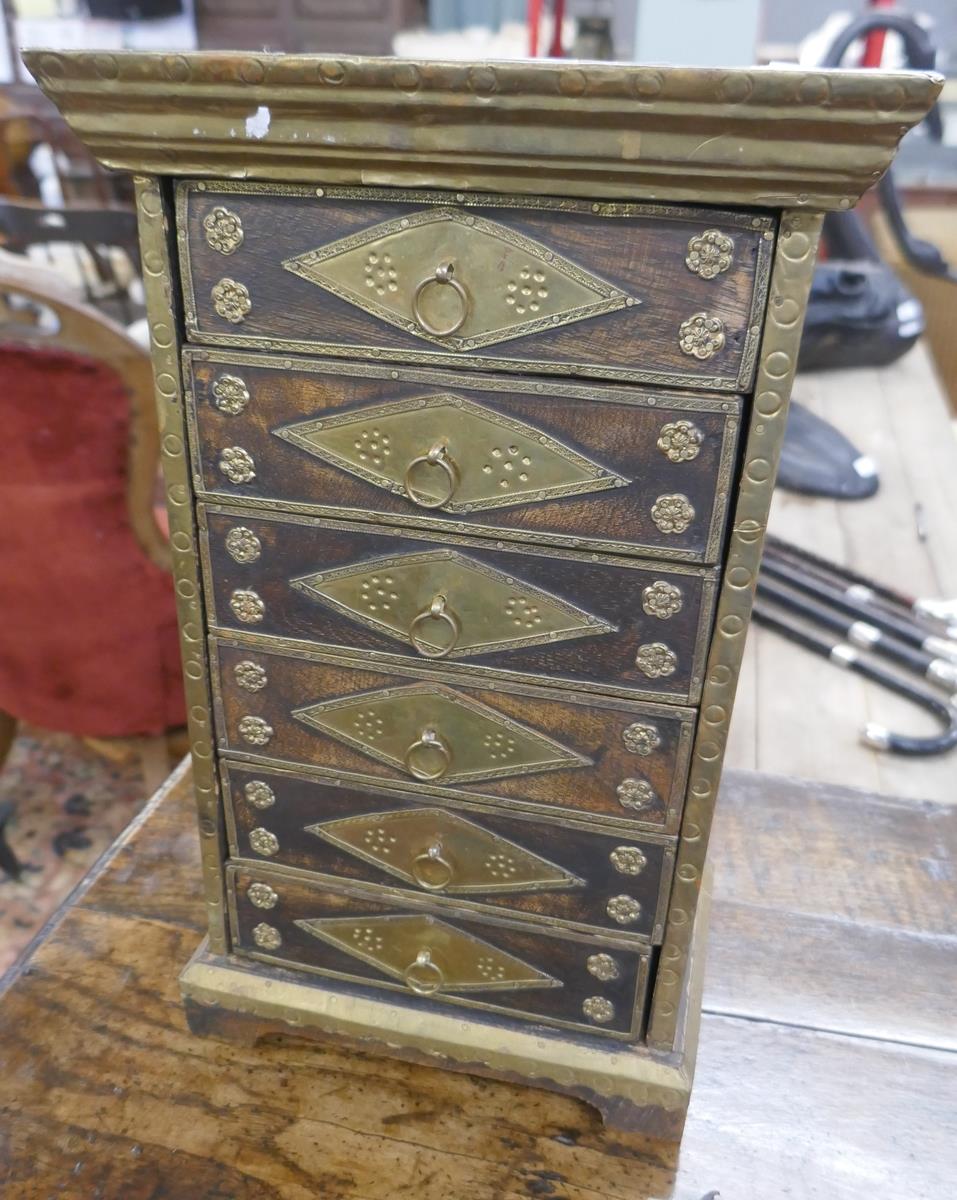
column 766, row 137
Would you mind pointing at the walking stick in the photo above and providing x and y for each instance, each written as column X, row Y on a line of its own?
column 863, row 634
column 877, row 736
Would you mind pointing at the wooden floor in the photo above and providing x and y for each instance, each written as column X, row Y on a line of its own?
column 797, row 714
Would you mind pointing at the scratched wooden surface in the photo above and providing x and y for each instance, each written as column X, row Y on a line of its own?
column 797, row 714
column 826, row 1067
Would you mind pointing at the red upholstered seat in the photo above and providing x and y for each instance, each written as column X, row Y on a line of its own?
column 88, row 640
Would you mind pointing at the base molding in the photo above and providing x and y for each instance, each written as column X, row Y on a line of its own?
column 633, row 1087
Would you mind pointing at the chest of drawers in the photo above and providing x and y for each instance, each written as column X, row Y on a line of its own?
column 472, row 381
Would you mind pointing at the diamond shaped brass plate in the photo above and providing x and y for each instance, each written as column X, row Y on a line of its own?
column 481, row 610
column 498, row 461
column 469, row 741
column 506, row 285
column 427, row 954
column 443, row 852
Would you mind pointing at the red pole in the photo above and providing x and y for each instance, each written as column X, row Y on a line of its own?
column 534, row 19
column 555, row 49
column 874, row 42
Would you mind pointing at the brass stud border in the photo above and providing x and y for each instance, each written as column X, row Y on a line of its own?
column 155, row 220
column 790, row 284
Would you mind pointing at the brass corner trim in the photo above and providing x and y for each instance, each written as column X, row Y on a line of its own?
column 575, row 129
column 790, row 283
column 155, row 220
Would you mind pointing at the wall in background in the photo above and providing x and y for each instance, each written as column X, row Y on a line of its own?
column 698, row 33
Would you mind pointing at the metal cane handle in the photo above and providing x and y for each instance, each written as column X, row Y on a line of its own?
column 443, row 275
column 428, row 740
column 431, row 870
column 424, row 976
column 438, row 456
column 438, row 610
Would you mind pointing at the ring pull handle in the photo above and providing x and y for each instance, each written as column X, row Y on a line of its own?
column 431, row 870
column 424, row 976
column 439, row 457
column 443, row 275
column 438, row 610
column 428, row 742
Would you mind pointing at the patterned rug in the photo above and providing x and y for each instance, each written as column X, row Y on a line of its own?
column 70, row 805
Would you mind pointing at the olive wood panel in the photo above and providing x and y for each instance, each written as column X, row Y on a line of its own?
column 585, row 854
column 592, row 730
column 562, row 959
column 605, row 610
column 616, row 429
column 640, row 251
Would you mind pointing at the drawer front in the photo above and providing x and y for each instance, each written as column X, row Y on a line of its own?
column 434, row 958
column 612, row 469
column 423, row 730
column 550, row 616
column 612, row 291
column 479, row 858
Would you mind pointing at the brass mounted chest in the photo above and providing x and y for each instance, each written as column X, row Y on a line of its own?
column 469, row 443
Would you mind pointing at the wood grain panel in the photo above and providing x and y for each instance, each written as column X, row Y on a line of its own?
column 640, row 250
column 615, row 428
column 563, row 959
column 580, row 850
column 602, row 657
column 592, row 730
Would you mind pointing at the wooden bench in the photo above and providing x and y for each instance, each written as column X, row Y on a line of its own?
column 826, row 1065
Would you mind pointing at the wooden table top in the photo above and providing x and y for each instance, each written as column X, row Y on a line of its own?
column 826, row 1068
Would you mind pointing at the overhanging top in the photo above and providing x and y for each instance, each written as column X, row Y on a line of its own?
column 767, row 137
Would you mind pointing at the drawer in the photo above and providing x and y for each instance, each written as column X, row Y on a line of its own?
column 435, row 958
column 422, row 729
column 612, row 291
column 556, row 617
column 548, row 871
column 612, row 469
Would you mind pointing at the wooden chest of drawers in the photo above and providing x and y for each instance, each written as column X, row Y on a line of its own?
column 472, row 381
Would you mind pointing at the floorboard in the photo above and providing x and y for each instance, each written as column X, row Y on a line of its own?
column 798, row 714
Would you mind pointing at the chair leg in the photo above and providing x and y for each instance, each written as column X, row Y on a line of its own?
column 10, row 865
column 8, row 733
column 154, row 762
column 177, row 744
column 151, row 753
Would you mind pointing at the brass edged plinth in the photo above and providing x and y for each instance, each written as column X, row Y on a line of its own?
column 634, row 1088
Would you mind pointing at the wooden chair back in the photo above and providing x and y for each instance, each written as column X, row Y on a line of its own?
column 37, row 309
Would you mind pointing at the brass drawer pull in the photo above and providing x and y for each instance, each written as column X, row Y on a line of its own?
column 431, row 871
column 427, row 741
column 423, row 976
column 438, row 456
column 438, row 610
column 444, row 274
